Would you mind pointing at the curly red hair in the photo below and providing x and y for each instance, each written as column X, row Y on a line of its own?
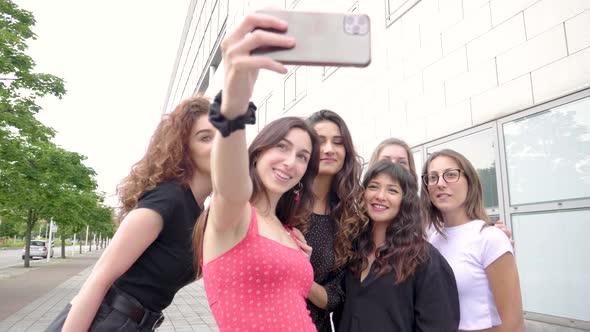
column 167, row 157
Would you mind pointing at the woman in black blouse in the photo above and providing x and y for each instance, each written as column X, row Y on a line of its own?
column 150, row 256
column 336, row 189
column 396, row 281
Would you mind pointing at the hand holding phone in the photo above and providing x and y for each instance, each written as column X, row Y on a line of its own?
column 322, row 39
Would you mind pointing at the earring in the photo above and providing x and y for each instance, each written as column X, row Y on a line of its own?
column 296, row 191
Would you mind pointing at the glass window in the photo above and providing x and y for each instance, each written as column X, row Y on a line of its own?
column 551, row 254
column 548, row 154
column 300, row 81
column 289, row 90
column 267, row 106
column 479, row 149
column 263, row 113
column 395, row 9
column 222, row 12
column 327, row 71
column 290, row 4
column 418, row 162
column 214, row 19
column 207, row 43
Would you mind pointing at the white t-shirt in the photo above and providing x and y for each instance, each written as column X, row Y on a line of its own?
column 469, row 250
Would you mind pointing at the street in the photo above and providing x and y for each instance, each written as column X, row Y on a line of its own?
column 13, row 256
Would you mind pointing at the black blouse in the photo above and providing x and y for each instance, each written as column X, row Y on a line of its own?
column 320, row 236
column 426, row 301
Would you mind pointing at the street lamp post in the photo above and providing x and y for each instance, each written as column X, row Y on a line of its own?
column 86, row 242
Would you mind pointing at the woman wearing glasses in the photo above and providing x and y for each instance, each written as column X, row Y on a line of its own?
column 481, row 256
column 398, row 151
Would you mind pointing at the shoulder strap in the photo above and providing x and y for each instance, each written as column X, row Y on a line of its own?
column 253, row 227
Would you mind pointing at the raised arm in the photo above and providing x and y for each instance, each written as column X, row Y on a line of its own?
column 232, row 186
column 137, row 231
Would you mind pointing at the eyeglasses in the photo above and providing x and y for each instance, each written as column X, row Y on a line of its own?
column 450, row 176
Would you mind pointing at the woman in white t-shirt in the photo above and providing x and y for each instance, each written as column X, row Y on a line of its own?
column 481, row 256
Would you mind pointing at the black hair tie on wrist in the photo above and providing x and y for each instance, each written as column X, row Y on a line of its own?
column 225, row 126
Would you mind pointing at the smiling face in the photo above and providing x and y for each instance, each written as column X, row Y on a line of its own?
column 383, row 198
column 332, row 150
column 282, row 166
column 447, row 197
column 201, row 139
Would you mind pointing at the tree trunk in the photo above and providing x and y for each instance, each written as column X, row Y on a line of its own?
column 80, row 242
column 28, row 238
column 63, row 245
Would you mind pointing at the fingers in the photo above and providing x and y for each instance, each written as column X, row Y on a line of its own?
column 307, row 250
column 246, row 62
column 254, row 21
column 298, row 235
column 254, row 40
column 261, row 38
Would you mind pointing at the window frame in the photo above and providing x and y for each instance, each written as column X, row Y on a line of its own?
column 287, row 105
column 393, row 16
column 506, row 211
column 468, row 132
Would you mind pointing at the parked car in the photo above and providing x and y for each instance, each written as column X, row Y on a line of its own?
column 38, row 249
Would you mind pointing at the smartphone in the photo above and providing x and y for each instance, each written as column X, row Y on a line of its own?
column 322, row 39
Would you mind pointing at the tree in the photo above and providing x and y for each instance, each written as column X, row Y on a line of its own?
column 79, row 209
column 41, row 181
column 21, row 86
column 38, row 180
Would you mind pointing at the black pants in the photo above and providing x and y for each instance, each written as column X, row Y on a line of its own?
column 107, row 319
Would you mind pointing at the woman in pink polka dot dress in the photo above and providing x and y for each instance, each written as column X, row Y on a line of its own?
column 256, row 274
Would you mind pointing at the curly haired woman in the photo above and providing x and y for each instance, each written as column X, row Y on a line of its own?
column 150, row 257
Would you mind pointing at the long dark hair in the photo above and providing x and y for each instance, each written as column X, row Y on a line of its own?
column 473, row 205
column 289, row 211
column 405, row 246
column 345, row 188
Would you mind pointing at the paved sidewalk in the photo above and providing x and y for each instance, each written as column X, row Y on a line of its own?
column 188, row 312
column 19, row 286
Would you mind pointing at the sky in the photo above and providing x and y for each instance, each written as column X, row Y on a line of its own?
column 116, row 58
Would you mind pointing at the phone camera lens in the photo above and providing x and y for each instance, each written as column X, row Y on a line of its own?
column 361, row 20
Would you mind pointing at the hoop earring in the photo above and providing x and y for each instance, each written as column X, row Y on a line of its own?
column 296, row 191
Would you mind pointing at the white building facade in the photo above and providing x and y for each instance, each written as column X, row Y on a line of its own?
column 504, row 82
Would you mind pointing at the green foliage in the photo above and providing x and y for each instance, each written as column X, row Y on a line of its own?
column 11, row 227
column 38, row 179
column 21, row 86
column 10, row 244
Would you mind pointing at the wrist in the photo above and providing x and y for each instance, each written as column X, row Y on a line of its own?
column 224, row 118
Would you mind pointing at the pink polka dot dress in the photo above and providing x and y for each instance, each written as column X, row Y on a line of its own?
column 259, row 285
